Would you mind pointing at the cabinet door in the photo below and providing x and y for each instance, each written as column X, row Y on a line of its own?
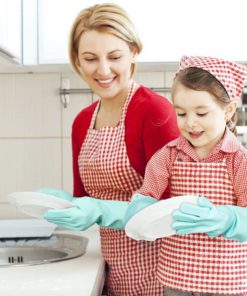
column 11, row 29
column 55, row 20
column 168, row 29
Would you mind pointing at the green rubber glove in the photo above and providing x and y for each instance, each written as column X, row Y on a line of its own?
column 238, row 229
column 58, row 193
column 205, row 217
column 88, row 211
column 138, row 202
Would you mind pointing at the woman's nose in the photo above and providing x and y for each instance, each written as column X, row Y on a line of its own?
column 103, row 68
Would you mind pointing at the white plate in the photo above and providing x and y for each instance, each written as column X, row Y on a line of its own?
column 26, row 228
column 155, row 220
column 35, row 204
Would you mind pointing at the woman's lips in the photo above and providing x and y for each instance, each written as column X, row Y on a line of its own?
column 105, row 83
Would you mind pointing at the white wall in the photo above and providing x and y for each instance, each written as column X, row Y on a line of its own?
column 35, row 128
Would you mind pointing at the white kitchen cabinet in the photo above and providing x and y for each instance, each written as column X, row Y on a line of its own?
column 30, row 32
column 168, row 29
column 11, row 30
column 54, row 23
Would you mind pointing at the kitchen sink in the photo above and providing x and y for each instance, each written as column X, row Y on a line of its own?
column 58, row 247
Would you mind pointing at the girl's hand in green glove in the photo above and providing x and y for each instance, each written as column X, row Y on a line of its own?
column 202, row 218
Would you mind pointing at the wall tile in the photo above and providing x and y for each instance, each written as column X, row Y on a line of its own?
column 67, row 171
column 150, row 79
column 30, row 105
column 29, row 164
column 76, row 104
column 75, row 80
column 168, row 96
column 169, row 76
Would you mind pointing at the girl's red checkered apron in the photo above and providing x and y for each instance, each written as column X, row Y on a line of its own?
column 196, row 262
column 107, row 174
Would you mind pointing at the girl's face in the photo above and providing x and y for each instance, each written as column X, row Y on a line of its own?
column 105, row 63
column 201, row 119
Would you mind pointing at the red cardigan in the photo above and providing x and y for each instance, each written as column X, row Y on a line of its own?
column 150, row 123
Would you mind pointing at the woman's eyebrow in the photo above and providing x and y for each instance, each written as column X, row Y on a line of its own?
column 111, row 52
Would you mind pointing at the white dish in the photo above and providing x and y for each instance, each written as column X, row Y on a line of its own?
column 155, row 220
column 26, row 228
column 35, row 204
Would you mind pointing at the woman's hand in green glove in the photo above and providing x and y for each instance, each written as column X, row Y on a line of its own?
column 89, row 210
column 80, row 217
column 138, row 202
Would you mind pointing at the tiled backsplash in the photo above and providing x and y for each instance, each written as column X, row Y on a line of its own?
column 35, row 129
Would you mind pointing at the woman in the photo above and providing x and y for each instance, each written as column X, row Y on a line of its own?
column 112, row 141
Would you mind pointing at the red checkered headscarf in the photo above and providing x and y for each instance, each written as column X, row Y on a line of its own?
column 231, row 75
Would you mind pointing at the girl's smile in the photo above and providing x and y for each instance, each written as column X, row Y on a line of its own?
column 196, row 135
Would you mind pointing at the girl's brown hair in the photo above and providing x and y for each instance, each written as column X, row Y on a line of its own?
column 201, row 80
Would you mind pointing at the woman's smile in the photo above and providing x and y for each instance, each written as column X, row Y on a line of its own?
column 105, row 83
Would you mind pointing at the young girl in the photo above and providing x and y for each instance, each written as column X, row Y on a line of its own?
column 205, row 257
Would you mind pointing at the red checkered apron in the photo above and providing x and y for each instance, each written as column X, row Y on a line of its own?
column 197, row 263
column 107, row 174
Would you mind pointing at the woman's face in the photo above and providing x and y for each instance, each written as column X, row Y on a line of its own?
column 105, row 63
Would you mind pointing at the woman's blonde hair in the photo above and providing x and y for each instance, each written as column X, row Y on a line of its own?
column 107, row 18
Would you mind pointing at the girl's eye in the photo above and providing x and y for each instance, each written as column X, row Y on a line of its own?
column 181, row 114
column 202, row 114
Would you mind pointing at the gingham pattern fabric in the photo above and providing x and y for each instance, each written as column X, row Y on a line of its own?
column 231, row 75
column 107, row 174
column 197, row 263
column 158, row 170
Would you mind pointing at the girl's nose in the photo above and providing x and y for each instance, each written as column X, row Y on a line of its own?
column 190, row 121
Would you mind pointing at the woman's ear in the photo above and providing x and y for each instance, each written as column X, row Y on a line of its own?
column 230, row 110
column 77, row 65
column 135, row 56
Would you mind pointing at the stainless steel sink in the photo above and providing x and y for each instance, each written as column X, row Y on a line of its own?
column 40, row 251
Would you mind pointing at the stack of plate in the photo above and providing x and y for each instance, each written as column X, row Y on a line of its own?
column 33, row 204
column 26, row 228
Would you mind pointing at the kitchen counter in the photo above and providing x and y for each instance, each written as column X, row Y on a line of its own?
column 81, row 276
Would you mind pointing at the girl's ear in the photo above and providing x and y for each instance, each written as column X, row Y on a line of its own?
column 230, row 110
